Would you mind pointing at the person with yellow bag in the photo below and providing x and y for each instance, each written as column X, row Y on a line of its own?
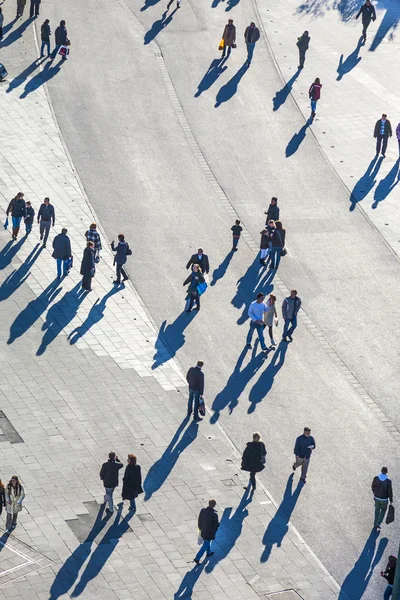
column 228, row 39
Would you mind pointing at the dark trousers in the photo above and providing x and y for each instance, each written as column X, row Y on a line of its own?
column 365, row 27
column 44, row 228
column 253, row 479
column 192, row 299
column 379, row 140
column 236, row 239
column 302, row 58
column 121, row 271
column 87, row 282
column 34, row 10
column 194, row 397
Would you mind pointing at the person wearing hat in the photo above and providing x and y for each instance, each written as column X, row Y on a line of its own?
column 302, row 44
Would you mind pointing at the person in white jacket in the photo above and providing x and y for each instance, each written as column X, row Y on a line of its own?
column 14, row 497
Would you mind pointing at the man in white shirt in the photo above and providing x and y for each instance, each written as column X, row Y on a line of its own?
column 256, row 314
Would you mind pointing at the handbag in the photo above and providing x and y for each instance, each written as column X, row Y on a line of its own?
column 390, row 514
column 221, row 44
column 6, row 223
column 283, row 251
column 234, row 46
column 201, row 288
column 64, row 51
column 202, row 407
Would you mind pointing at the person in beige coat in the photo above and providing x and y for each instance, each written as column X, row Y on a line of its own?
column 229, row 37
column 20, row 8
column 14, row 497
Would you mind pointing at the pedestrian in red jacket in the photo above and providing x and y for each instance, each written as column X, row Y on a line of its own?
column 314, row 94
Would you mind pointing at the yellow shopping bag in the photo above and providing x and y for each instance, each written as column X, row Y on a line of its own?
column 221, row 44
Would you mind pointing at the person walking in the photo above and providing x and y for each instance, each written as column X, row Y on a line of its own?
column 398, row 135
column 251, row 36
column 61, row 38
column 46, row 216
column 253, row 459
column 20, row 8
column 303, row 448
column 302, row 43
column 88, row 267
column 62, row 252
column 208, row 524
column 195, row 379
column 368, row 14
column 383, row 494
column 15, row 495
column 34, row 10
column 121, row 250
column 273, row 211
column 200, row 259
column 30, row 215
column 45, row 33
column 236, row 232
column 17, row 208
column 290, row 308
column 314, row 94
column 229, row 37
column 278, row 238
column 2, row 496
column 256, row 313
column 132, row 482
column 382, row 132
column 92, row 235
column 1, row 23
column 109, row 476
column 388, row 574
column 271, row 317
column 192, row 295
column 265, row 242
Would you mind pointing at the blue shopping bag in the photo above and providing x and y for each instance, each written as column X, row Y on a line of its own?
column 201, row 288
column 6, row 223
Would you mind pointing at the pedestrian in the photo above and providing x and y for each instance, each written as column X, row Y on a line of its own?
column 304, row 445
column 61, row 38
column 253, row 459
column 383, row 494
column 14, row 494
column 132, row 482
column 368, row 14
column 195, row 379
column 45, row 33
column 17, row 208
column 2, row 496
column 302, row 43
column 92, row 235
column 1, row 23
column 314, row 94
column 271, row 317
column 62, row 252
column 192, row 295
column 265, row 242
column 277, row 244
column 109, row 476
column 88, row 267
column 34, row 10
column 398, row 135
column 256, row 314
column 46, row 216
column 122, row 250
column 20, row 8
column 30, row 215
column 382, row 132
column 229, row 37
column 208, row 523
column 251, row 36
column 388, row 574
column 200, row 259
column 237, row 230
column 290, row 308
column 273, row 211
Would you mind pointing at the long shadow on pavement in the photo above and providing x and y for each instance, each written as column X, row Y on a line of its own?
column 297, row 140
column 68, row 573
column 279, row 525
column 161, row 469
column 148, row 4
column 171, row 338
column 9, row 251
column 23, row 76
column 228, row 90
column 266, row 380
column 365, row 184
column 15, row 34
column 220, row 271
column 213, row 72
column 281, row 96
column 357, row 580
column 8, row 27
column 19, row 276
column 352, row 60
column 95, row 315
column 185, row 590
column 50, row 70
column 231, row 4
column 389, row 23
column 387, row 184
column 158, row 26
column 247, row 286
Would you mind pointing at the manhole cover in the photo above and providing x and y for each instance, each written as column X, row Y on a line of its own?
column 283, row 595
column 228, row 482
column 146, row 517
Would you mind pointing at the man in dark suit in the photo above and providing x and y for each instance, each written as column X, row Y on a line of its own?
column 195, row 379
column 382, row 131
column 200, row 259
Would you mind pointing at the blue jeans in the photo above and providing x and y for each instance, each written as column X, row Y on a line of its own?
column 388, row 592
column 289, row 330
column 60, row 262
column 260, row 332
column 206, row 547
column 250, row 51
column 28, row 228
column 194, row 395
column 313, row 105
column 132, row 504
column 275, row 256
column 16, row 221
column 236, row 239
column 43, row 46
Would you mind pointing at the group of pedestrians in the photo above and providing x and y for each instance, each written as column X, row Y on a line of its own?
column 228, row 40
column 132, row 480
column 273, row 237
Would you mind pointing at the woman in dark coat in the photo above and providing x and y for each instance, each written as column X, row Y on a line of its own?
column 193, row 280
column 132, row 479
column 87, row 267
column 277, row 244
column 253, row 459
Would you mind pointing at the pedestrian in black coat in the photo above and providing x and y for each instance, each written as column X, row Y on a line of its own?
column 200, row 259
column 62, row 251
column 61, row 37
column 253, row 459
column 273, row 211
column 132, row 482
column 368, row 14
column 382, row 132
column 109, row 476
column 17, row 208
column 2, row 496
column 122, row 250
column 302, row 44
column 88, row 267
column 34, row 10
column 193, row 280
column 208, row 523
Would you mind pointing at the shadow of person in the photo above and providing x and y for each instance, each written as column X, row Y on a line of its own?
column 266, row 380
column 148, row 4
column 59, row 315
column 9, row 251
column 356, row 582
column 8, row 27
column 345, row 66
column 20, row 275
column 387, row 184
column 161, row 469
column 158, row 26
column 228, row 90
column 279, row 525
column 214, row 71
column 69, row 571
column 50, row 70
column 281, row 96
column 229, row 396
column 297, row 140
column 185, row 590
column 215, row 3
column 231, row 4
column 246, row 286
column 103, row 550
column 389, row 23
column 220, row 271
column 95, row 315
column 170, row 338
column 15, row 34
column 19, row 79
column 365, row 184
